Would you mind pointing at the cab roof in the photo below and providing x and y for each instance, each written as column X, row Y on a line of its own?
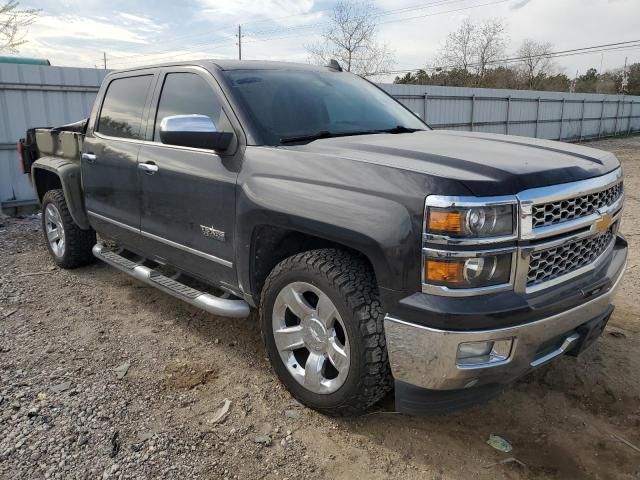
column 237, row 65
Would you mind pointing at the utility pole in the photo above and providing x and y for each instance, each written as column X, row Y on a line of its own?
column 239, row 35
column 104, row 57
column 601, row 62
column 625, row 78
column 600, row 72
column 572, row 85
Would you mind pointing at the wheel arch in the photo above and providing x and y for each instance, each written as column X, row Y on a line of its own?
column 49, row 173
column 271, row 244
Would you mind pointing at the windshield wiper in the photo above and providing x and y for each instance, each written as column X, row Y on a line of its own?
column 327, row 134
column 399, row 129
column 324, row 134
column 308, row 138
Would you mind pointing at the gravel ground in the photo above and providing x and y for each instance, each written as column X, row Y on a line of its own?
column 103, row 377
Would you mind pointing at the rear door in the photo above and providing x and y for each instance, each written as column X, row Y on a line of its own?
column 188, row 202
column 110, row 178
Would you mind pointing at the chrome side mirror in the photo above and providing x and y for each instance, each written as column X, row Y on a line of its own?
column 196, row 131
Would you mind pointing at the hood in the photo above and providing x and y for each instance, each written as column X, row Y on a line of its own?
column 487, row 164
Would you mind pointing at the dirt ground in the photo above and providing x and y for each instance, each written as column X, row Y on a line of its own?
column 68, row 410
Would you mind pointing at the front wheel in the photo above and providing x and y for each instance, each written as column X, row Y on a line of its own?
column 69, row 245
column 322, row 325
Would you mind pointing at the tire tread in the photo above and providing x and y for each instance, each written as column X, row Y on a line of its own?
column 78, row 242
column 352, row 278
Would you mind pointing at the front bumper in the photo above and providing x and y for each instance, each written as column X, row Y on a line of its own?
column 428, row 357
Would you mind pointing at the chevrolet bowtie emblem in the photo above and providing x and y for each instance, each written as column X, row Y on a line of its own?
column 603, row 223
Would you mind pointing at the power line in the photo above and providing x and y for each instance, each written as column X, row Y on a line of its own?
column 631, row 44
column 207, row 33
column 393, row 20
column 308, row 14
column 194, row 35
column 275, row 19
column 159, row 55
column 317, row 26
column 135, row 55
column 169, row 53
column 382, row 13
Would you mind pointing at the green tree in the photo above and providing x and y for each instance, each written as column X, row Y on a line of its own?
column 503, row 77
column 420, row 77
column 588, row 83
column 633, row 85
column 554, row 83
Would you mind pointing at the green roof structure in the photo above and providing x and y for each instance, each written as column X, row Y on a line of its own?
column 25, row 61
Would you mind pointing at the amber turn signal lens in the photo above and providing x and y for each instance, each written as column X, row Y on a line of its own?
column 445, row 222
column 449, row 272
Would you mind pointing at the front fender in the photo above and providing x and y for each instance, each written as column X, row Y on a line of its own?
column 68, row 172
column 381, row 228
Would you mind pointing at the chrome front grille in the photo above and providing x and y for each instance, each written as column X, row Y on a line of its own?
column 545, row 265
column 553, row 213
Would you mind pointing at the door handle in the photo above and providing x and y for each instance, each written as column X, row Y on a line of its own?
column 89, row 157
column 148, row 168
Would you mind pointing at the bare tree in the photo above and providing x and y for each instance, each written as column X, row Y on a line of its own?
column 14, row 23
column 535, row 61
column 459, row 49
column 489, row 44
column 351, row 39
column 473, row 47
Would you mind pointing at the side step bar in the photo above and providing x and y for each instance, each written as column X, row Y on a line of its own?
column 218, row 306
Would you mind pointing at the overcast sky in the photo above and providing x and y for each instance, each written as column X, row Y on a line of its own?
column 76, row 33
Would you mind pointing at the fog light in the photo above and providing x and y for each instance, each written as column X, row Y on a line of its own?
column 483, row 354
column 474, row 349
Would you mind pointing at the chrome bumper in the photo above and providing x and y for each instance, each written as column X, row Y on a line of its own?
column 427, row 357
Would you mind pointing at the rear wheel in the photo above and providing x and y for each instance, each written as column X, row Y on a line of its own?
column 322, row 325
column 69, row 245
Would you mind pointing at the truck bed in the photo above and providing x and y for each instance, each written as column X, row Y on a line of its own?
column 63, row 142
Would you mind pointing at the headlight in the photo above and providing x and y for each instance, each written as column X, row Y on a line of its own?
column 471, row 222
column 468, row 272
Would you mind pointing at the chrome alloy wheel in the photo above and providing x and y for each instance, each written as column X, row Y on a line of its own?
column 54, row 230
column 311, row 337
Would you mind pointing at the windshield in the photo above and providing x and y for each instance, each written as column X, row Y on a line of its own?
column 291, row 104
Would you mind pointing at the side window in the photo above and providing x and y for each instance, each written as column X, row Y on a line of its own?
column 189, row 94
column 123, row 107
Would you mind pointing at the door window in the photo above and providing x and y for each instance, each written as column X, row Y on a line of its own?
column 189, row 94
column 123, row 107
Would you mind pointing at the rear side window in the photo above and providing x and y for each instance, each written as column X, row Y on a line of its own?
column 189, row 94
column 123, row 107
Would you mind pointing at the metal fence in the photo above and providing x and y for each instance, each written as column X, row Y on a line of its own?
column 37, row 96
column 548, row 115
column 32, row 96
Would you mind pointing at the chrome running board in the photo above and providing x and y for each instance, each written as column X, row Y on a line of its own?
column 225, row 307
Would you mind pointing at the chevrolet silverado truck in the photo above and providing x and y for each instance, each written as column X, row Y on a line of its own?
column 380, row 254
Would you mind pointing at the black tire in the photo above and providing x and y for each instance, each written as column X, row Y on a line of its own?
column 77, row 242
column 350, row 284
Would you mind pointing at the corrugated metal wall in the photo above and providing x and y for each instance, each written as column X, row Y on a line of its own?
column 37, row 96
column 33, row 96
column 550, row 115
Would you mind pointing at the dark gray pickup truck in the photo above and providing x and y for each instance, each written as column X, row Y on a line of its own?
column 378, row 252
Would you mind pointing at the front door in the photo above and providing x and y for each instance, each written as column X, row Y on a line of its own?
column 110, row 178
column 188, row 194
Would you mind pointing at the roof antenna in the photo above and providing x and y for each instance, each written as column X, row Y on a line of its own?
column 334, row 65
